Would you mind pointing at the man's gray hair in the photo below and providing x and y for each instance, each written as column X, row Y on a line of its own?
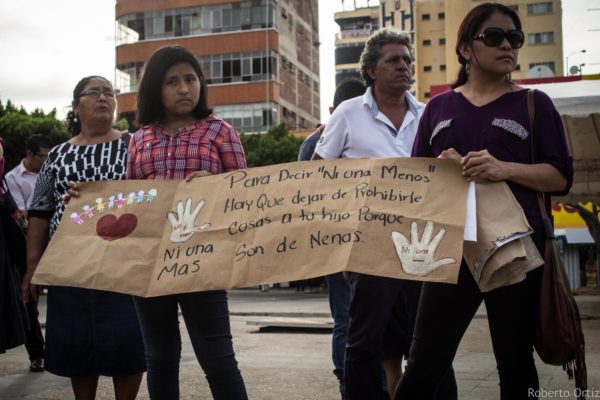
column 372, row 51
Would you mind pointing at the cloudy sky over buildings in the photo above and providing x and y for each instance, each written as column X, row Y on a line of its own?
column 48, row 46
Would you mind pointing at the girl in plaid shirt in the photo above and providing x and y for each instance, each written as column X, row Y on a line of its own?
column 181, row 139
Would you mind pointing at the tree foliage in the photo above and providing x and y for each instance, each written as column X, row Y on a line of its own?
column 122, row 124
column 17, row 125
column 275, row 147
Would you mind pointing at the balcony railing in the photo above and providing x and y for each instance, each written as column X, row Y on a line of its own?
column 353, row 34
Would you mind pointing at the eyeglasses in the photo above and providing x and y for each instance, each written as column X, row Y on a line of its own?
column 95, row 94
column 493, row 37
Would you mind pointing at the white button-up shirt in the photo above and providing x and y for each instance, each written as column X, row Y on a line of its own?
column 21, row 182
column 358, row 129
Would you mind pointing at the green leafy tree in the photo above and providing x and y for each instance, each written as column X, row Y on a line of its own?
column 122, row 124
column 17, row 125
column 275, row 147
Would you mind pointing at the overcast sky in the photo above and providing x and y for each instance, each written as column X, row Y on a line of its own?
column 47, row 46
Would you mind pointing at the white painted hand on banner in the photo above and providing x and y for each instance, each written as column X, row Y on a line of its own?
column 417, row 255
column 183, row 222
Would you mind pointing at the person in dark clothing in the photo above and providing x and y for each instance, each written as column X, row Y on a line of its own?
column 338, row 289
column 484, row 124
column 13, row 316
column 21, row 182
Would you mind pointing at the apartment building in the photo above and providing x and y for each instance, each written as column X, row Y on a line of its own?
column 260, row 57
column 433, row 25
column 355, row 28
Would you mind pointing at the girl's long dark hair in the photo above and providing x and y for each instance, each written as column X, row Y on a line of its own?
column 469, row 27
column 149, row 96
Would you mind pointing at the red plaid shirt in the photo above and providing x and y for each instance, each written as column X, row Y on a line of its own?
column 209, row 144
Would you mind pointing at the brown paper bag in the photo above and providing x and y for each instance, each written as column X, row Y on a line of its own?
column 510, row 264
column 499, row 216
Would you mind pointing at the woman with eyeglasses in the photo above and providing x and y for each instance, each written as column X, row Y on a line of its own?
column 88, row 332
column 483, row 123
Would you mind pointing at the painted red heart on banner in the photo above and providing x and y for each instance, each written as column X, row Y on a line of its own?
column 109, row 227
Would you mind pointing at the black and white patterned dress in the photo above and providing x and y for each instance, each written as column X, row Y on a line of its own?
column 66, row 162
column 88, row 332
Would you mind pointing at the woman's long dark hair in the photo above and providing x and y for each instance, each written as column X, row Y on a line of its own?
column 149, row 96
column 73, row 123
column 469, row 27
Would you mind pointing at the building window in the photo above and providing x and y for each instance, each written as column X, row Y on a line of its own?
column 427, row 68
column 240, row 67
column 127, row 77
column 540, row 38
column 442, row 67
column 441, row 15
column 426, row 42
column 248, row 118
column 426, row 17
column 342, row 74
column 427, row 95
column 198, row 20
column 539, row 8
column 304, row 78
column 442, row 41
column 518, row 67
column 349, row 54
column 549, row 64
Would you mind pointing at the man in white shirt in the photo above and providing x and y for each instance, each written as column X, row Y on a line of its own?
column 337, row 287
column 21, row 179
column 381, row 123
column 21, row 182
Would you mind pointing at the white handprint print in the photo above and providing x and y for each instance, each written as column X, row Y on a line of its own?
column 416, row 256
column 183, row 222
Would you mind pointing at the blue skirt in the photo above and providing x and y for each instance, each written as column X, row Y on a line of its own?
column 92, row 332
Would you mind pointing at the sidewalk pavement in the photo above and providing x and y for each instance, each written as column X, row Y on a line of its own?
column 295, row 364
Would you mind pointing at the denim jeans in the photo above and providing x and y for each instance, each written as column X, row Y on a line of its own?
column 339, row 303
column 206, row 317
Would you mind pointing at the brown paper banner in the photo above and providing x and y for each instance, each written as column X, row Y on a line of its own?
column 398, row 217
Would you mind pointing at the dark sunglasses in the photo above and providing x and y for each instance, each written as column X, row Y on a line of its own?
column 493, row 37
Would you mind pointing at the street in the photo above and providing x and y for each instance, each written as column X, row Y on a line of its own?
column 295, row 364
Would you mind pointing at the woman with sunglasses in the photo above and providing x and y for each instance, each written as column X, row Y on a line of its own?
column 88, row 332
column 484, row 124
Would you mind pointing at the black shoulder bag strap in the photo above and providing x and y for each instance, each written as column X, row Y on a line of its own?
column 546, row 220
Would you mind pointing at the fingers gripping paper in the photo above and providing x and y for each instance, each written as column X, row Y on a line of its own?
column 400, row 217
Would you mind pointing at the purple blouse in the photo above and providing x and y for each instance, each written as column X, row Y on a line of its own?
column 501, row 127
